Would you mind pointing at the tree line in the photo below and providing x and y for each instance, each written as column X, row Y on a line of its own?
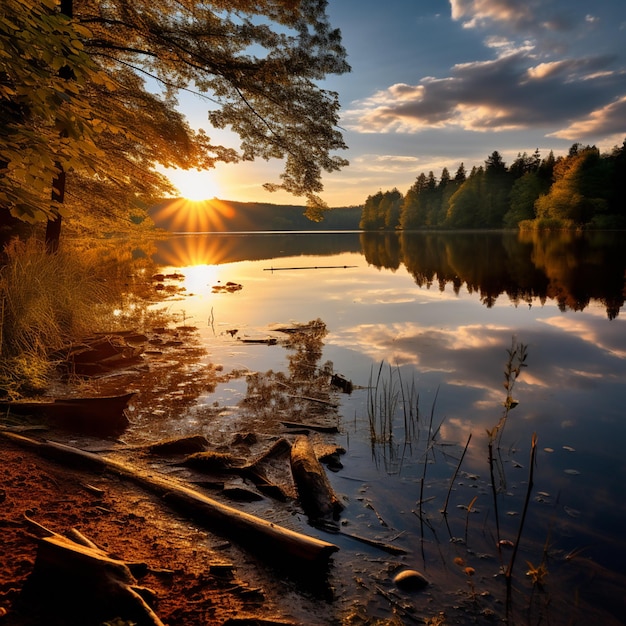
column 584, row 189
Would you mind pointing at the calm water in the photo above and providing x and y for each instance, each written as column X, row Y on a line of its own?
column 442, row 309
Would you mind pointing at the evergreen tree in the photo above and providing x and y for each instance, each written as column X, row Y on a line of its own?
column 413, row 210
column 444, row 179
column 370, row 216
column 524, row 194
column 460, row 175
column 465, row 203
column 494, row 201
column 390, row 209
column 617, row 199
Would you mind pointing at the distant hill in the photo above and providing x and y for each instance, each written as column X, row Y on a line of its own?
column 180, row 215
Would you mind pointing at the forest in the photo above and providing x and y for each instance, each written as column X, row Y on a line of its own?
column 582, row 190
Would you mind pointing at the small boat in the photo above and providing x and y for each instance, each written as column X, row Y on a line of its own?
column 104, row 415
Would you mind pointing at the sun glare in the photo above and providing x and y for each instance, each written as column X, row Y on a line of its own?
column 193, row 184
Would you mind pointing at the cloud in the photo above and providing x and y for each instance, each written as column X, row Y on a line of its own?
column 387, row 162
column 606, row 120
column 474, row 12
column 513, row 15
column 513, row 91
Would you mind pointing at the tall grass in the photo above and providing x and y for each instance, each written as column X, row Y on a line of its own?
column 46, row 301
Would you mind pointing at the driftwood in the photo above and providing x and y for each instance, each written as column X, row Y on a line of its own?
column 221, row 462
column 212, row 461
column 180, row 445
column 285, row 547
column 268, row 341
column 381, row 545
column 315, row 492
column 74, row 578
column 265, row 471
column 309, row 267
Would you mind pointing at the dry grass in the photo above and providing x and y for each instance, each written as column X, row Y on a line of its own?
column 46, row 300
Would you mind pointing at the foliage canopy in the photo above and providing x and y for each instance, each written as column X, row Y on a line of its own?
column 93, row 92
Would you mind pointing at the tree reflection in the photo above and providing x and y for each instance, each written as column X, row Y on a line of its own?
column 571, row 268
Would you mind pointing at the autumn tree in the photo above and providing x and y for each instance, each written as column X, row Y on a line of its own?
column 581, row 189
column 256, row 64
column 46, row 119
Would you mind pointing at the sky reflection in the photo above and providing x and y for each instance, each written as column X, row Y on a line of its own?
column 451, row 343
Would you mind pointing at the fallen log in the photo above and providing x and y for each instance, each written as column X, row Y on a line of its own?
column 285, row 547
column 268, row 341
column 315, row 492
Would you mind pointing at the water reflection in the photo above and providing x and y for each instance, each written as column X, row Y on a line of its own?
column 219, row 248
column 560, row 294
column 573, row 269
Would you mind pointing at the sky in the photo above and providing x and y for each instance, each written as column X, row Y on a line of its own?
column 437, row 83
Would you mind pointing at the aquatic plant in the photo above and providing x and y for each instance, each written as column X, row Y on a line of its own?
column 393, row 415
column 516, row 361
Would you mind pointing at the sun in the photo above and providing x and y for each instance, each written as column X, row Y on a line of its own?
column 194, row 184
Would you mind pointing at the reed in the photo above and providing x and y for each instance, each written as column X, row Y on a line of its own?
column 515, row 363
column 393, row 413
column 533, row 456
column 456, row 472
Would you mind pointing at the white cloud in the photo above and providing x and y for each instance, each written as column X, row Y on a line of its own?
column 475, row 12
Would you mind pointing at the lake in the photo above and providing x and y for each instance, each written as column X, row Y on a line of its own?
column 420, row 323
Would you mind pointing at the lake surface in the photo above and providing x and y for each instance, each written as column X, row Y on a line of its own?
column 431, row 317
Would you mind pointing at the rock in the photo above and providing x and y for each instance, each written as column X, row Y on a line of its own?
column 410, row 580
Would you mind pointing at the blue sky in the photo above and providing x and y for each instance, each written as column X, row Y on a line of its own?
column 438, row 82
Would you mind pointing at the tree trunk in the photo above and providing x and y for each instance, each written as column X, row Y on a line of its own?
column 53, row 227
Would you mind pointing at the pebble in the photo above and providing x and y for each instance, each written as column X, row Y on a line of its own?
column 410, row 580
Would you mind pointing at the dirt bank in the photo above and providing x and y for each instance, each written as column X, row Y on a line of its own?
column 198, row 578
